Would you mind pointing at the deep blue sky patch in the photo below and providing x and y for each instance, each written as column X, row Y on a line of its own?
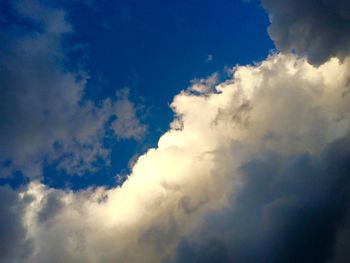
column 152, row 48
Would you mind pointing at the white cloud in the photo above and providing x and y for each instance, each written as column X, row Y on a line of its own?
column 283, row 107
column 205, row 85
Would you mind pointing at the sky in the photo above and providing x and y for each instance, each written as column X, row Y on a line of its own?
column 174, row 132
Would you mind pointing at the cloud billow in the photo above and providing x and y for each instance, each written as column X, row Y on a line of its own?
column 291, row 209
column 227, row 183
column 317, row 29
column 253, row 169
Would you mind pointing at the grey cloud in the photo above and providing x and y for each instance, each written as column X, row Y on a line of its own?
column 14, row 245
column 42, row 108
column 127, row 125
column 212, row 250
column 290, row 209
column 52, row 204
column 318, row 29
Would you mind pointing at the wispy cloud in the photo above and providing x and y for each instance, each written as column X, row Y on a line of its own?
column 210, row 57
column 43, row 113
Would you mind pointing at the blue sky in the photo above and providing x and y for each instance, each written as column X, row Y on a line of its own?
column 154, row 50
column 174, row 132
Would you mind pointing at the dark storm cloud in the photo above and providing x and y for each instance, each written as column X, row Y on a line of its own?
column 318, row 29
column 290, row 209
column 14, row 246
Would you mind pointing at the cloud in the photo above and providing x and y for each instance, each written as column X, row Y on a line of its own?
column 291, row 209
column 317, row 29
column 253, row 169
column 14, row 245
column 204, row 86
column 209, row 58
column 127, row 125
column 43, row 110
column 257, row 169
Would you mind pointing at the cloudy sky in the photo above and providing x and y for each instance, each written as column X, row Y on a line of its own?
column 174, row 132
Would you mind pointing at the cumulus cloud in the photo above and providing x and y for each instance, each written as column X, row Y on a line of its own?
column 291, row 209
column 256, row 170
column 253, row 169
column 318, row 29
column 44, row 114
